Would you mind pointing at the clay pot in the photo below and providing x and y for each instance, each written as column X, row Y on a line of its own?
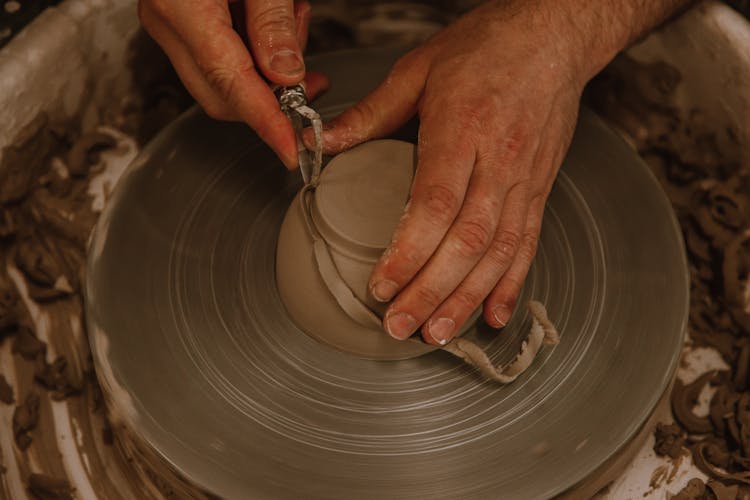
column 330, row 240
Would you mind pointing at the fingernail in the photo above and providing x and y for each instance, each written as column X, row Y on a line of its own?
column 384, row 290
column 501, row 313
column 441, row 330
column 400, row 326
column 287, row 61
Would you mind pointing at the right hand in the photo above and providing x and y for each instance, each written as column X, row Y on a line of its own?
column 219, row 70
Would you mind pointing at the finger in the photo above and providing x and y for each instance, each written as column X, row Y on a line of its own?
column 501, row 253
column 185, row 65
column 384, row 110
column 558, row 131
column 440, row 184
column 226, row 64
column 500, row 303
column 272, row 30
column 464, row 243
column 444, row 169
column 302, row 15
column 315, row 83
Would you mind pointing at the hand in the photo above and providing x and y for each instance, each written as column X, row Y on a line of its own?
column 497, row 94
column 217, row 68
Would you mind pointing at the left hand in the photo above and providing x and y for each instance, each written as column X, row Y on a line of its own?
column 497, row 94
column 226, row 52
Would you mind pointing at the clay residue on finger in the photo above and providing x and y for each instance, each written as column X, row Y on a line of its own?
column 542, row 332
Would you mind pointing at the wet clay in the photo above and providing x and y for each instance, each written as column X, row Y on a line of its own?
column 344, row 224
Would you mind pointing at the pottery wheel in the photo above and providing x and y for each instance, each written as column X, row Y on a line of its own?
column 200, row 362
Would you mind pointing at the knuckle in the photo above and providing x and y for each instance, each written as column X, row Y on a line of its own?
column 427, row 297
column 467, row 299
column 223, row 80
column 362, row 115
column 505, row 247
column 441, row 202
column 473, row 117
column 277, row 19
column 515, row 142
column 466, row 139
column 402, row 259
column 528, row 246
column 473, row 237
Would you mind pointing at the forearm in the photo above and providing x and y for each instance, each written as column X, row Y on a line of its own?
column 578, row 37
column 606, row 27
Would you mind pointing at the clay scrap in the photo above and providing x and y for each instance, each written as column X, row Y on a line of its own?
column 713, row 490
column 6, row 391
column 699, row 164
column 542, row 332
column 25, row 419
column 46, row 487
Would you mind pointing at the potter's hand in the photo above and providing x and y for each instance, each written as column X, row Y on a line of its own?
column 497, row 94
column 221, row 73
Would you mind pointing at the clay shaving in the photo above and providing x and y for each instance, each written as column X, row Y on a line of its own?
column 699, row 166
column 6, row 392
column 713, row 490
column 542, row 332
column 25, row 419
column 49, row 488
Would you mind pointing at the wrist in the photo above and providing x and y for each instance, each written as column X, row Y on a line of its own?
column 600, row 29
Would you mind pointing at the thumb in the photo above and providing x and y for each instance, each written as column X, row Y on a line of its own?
column 272, row 31
column 383, row 111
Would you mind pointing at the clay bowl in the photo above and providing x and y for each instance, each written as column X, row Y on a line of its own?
column 331, row 238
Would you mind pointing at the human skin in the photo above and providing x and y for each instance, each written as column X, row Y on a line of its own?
column 497, row 94
column 227, row 52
